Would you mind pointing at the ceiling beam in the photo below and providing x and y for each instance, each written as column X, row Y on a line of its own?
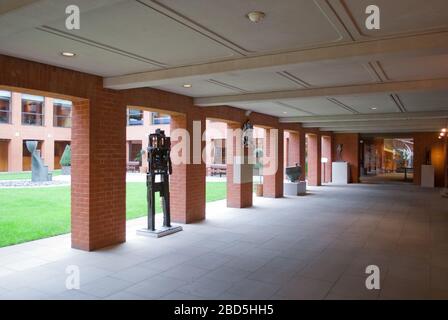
column 378, row 123
column 387, row 87
column 357, row 51
column 382, row 130
column 369, row 117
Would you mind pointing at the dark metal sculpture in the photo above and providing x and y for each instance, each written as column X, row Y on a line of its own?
column 294, row 173
column 159, row 166
column 39, row 171
column 247, row 133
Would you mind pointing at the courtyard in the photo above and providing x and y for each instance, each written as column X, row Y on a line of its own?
column 38, row 212
column 312, row 247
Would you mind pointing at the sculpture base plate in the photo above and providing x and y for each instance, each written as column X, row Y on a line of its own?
column 158, row 233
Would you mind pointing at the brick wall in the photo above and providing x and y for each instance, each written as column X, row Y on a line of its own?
column 350, row 153
column 273, row 183
column 429, row 140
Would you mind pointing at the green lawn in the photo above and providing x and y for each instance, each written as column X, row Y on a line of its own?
column 22, row 175
column 33, row 213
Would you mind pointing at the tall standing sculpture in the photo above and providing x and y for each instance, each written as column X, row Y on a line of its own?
column 157, row 180
column 39, row 171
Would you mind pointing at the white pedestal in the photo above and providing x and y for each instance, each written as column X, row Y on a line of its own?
column 294, row 188
column 242, row 172
column 427, row 178
column 340, row 172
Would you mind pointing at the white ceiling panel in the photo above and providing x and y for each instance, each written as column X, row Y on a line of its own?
column 201, row 88
column 332, row 74
column 425, row 101
column 288, row 25
column 44, row 47
column 253, row 81
column 318, row 106
column 364, row 103
column 272, row 108
column 418, row 68
column 134, row 27
column 397, row 16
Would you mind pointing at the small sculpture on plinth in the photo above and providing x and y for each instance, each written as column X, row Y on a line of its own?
column 339, row 150
column 294, row 187
column 39, row 171
column 159, row 166
column 294, row 173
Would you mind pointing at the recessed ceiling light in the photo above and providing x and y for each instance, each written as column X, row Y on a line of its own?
column 374, row 108
column 187, row 85
column 284, row 112
column 68, row 54
column 256, row 16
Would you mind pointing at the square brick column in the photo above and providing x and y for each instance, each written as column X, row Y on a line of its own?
column 314, row 159
column 326, row 153
column 98, row 172
column 187, row 183
column 239, row 173
column 297, row 150
column 273, row 171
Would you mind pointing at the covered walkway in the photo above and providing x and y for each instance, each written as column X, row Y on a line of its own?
column 311, row 247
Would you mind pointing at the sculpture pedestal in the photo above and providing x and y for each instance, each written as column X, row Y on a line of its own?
column 340, row 173
column 158, row 233
column 427, row 178
column 294, row 188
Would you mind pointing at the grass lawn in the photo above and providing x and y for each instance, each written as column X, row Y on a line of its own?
column 34, row 213
column 22, row 175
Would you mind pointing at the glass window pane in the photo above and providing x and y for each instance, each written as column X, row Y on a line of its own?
column 135, row 117
column 32, row 111
column 62, row 113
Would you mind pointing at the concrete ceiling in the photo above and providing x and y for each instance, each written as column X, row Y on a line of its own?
column 306, row 61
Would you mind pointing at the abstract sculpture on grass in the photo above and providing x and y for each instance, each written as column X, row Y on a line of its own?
column 39, row 171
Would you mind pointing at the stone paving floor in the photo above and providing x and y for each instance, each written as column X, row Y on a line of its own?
column 311, row 247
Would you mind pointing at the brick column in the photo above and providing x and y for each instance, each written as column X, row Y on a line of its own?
column 297, row 150
column 326, row 153
column 239, row 173
column 15, row 154
column 98, row 172
column 187, row 183
column 48, row 147
column 15, row 147
column 273, row 172
column 314, row 159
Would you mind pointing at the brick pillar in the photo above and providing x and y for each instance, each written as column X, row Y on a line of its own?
column 326, row 153
column 48, row 147
column 297, row 150
column 239, row 174
column 273, row 171
column 98, row 172
column 314, row 159
column 15, row 147
column 15, row 154
column 187, row 183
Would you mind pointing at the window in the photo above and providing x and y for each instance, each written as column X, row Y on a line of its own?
column 135, row 117
column 219, row 156
column 160, row 118
column 62, row 113
column 5, row 109
column 32, row 110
